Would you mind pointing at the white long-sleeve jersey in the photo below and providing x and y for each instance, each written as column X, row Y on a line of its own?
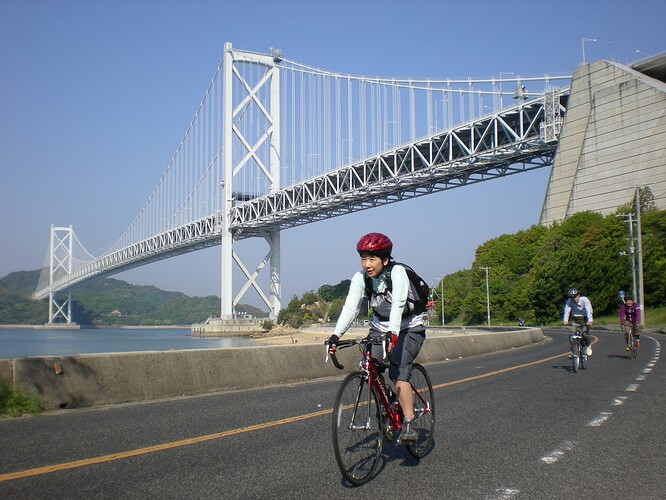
column 582, row 308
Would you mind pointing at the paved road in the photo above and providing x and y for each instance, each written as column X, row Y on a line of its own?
column 518, row 424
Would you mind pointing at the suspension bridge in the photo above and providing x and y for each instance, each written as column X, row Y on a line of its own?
column 276, row 144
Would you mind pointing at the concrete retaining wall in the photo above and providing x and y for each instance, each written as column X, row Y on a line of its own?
column 98, row 379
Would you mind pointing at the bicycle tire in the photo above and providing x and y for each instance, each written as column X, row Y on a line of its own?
column 633, row 352
column 583, row 361
column 357, row 437
column 576, row 356
column 424, row 418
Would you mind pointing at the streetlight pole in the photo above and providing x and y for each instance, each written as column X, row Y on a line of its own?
column 485, row 268
column 582, row 42
column 500, row 86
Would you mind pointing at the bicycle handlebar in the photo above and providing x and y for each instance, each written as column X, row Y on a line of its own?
column 343, row 344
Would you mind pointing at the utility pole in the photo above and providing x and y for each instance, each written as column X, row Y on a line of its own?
column 639, row 255
column 485, row 268
column 632, row 253
column 441, row 281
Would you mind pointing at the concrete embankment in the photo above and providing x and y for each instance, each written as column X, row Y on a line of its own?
column 99, row 379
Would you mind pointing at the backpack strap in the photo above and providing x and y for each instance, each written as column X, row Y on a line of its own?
column 389, row 286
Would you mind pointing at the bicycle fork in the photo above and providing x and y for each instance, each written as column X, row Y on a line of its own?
column 357, row 407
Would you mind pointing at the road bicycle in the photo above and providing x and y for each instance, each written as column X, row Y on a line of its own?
column 631, row 339
column 579, row 356
column 366, row 411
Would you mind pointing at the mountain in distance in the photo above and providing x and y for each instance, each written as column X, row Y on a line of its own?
column 110, row 302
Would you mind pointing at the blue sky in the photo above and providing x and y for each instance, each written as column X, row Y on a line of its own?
column 96, row 95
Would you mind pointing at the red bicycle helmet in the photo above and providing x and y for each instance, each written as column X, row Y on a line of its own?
column 376, row 244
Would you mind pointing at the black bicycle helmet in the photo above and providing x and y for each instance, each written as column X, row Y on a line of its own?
column 572, row 292
column 376, row 244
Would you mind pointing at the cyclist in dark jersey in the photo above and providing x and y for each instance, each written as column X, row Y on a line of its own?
column 630, row 314
column 406, row 331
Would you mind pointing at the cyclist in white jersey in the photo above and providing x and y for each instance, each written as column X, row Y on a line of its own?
column 391, row 316
column 579, row 308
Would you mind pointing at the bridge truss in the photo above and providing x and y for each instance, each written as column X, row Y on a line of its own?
column 516, row 140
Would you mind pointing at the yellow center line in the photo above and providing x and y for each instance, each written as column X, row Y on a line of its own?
column 505, row 370
column 242, row 430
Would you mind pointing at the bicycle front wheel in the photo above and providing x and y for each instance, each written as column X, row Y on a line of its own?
column 633, row 352
column 424, row 412
column 357, row 437
column 576, row 356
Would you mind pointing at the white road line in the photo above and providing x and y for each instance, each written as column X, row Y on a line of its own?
column 555, row 455
column 619, row 401
column 603, row 416
column 503, row 493
column 633, row 387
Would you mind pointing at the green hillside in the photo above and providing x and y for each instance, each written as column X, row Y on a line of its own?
column 108, row 302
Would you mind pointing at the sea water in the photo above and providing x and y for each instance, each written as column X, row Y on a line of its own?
column 15, row 343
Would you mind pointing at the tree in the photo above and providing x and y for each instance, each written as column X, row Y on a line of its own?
column 326, row 292
column 335, row 309
column 293, row 315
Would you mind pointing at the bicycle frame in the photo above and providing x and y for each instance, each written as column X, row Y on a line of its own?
column 577, row 350
column 368, row 366
column 630, row 332
column 577, row 333
column 576, row 339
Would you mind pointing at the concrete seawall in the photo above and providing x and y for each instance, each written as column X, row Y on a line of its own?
column 99, row 379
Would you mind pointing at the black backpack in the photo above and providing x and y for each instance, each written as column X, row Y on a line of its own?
column 420, row 289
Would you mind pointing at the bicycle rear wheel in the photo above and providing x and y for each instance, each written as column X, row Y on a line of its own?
column 424, row 412
column 357, row 437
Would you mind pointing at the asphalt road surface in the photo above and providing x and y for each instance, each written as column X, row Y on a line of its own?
column 517, row 424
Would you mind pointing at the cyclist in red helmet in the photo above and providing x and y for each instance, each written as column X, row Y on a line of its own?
column 390, row 316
